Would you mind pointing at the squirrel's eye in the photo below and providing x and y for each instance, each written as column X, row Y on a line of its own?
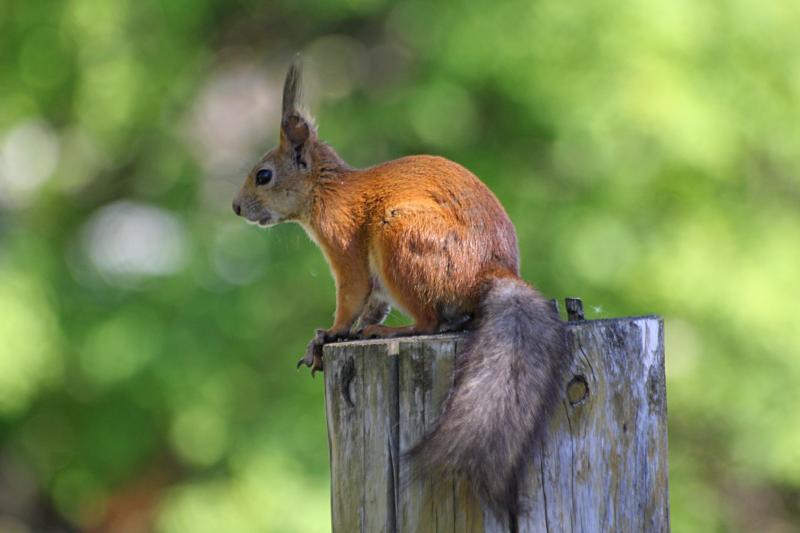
column 263, row 176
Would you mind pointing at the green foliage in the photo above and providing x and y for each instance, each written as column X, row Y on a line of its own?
column 647, row 152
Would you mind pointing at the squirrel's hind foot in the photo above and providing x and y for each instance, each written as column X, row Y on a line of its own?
column 377, row 331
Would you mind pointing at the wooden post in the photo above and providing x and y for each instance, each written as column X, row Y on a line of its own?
column 602, row 465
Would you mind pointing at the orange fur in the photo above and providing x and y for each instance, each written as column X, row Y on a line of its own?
column 425, row 227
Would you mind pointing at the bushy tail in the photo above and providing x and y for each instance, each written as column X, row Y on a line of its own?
column 507, row 382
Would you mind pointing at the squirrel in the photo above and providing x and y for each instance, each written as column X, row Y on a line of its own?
column 425, row 235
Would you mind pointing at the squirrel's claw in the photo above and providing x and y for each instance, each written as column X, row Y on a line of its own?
column 312, row 360
column 313, row 356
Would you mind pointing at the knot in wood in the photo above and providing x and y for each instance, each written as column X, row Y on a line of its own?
column 577, row 390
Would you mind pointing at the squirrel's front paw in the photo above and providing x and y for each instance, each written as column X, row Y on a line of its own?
column 313, row 356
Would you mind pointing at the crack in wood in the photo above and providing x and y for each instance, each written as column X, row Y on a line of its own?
column 544, row 490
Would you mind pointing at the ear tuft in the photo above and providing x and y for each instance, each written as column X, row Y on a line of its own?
column 295, row 126
column 292, row 87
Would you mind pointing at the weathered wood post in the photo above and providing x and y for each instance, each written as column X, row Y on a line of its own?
column 603, row 462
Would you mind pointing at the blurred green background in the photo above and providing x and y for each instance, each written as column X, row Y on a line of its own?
column 646, row 150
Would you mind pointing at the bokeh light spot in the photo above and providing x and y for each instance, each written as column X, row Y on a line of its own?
column 28, row 157
column 28, row 341
column 128, row 240
column 199, row 435
column 444, row 115
column 117, row 348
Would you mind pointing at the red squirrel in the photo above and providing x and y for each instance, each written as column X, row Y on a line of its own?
column 425, row 235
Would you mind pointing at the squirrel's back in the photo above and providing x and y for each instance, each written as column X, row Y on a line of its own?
column 455, row 204
column 449, row 187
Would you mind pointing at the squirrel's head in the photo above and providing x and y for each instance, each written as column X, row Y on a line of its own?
column 279, row 186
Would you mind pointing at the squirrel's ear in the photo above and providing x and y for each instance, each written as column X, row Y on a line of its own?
column 295, row 128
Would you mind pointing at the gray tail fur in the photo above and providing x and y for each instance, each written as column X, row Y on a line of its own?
column 507, row 382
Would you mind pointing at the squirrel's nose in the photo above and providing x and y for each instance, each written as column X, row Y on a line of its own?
column 237, row 208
